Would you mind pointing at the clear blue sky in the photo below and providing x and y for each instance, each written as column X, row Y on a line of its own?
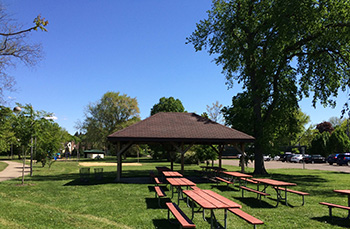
column 134, row 47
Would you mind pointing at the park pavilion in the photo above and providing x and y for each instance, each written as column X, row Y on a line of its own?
column 179, row 131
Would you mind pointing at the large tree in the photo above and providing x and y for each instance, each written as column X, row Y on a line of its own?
column 168, row 105
column 113, row 112
column 15, row 45
column 280, row 51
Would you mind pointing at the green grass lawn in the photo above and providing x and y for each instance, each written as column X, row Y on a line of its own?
column 3, row 166
column 56, row 198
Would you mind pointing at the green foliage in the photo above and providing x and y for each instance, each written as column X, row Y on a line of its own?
column 204, row 152
column 257, row 43
column 338, row 142
column 319, row 144
column 113, row 112
column 167, row 105
column 7, row 135
column 190, row 157
column 285, row 128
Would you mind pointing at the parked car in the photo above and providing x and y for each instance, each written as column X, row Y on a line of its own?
column 343, row 159
column 267, row 158
column 286, row 157
column 332, row 158
column 297, row 158
column 315, row 159
column 276, row 158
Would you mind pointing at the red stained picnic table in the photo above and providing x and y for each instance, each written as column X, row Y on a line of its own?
column 345, row 192
column 207, row 199
column 172, row 174
column 235, row 175
column 178, row 183
column 275, row 183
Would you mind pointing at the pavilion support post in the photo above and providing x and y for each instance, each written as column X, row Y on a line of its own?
column 120, row 151
column 181, row 148
column 219, row 151
column 119, row 166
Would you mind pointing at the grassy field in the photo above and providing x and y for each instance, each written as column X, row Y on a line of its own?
column 56, row 198
column 2, row 166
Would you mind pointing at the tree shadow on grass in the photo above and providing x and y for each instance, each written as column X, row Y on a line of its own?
column 254, row 202
column 164, row 223
column 224, row 188
column 152, row 203
column 335, row 221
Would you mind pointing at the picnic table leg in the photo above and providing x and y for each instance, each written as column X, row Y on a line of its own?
column 172, row 191
column 285, row 190
column 278, row 192
column 225, row 219
column 211, row 218
column 192, row 205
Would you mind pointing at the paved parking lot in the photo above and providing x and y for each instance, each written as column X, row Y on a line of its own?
column 279, row 165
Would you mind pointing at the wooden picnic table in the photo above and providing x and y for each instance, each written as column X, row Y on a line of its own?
column 207, row 199
column 211, row 171
column 178, row 183
column 160, row 170
column 345, row 192
column 172, row 174
column 236, row 175
column 275, row 185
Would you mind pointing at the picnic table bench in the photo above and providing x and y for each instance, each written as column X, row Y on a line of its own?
column 159, row 193
column 220, row 179
column 157, row 181
column 259, row 193
column 181, row 217
column 331, row 206
column 250, row 219
column 303, row 194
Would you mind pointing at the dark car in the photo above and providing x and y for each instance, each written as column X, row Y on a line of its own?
column 343, row 159
column 332, row 158
column 286, row 157
column 315, row 159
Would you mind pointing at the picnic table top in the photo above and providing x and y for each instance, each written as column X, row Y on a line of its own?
column 180, row 181
column 273, row 182
column 172, row 174
column 346, row 192
column 210, row 200
column 237, row 174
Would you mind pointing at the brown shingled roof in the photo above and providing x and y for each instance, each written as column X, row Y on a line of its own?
column 179, row 127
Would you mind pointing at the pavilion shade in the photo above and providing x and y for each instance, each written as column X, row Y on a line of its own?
column 188, row 128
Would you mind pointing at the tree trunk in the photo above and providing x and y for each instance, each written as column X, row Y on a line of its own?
column 259, row 167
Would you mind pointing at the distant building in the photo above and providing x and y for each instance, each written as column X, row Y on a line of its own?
column 94, row 153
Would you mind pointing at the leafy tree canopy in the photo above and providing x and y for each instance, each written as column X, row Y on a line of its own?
column 167, row 105
column 280, row 51
column 325, row 126
column 113, row 112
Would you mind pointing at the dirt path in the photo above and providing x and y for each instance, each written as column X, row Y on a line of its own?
column 13, row 170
